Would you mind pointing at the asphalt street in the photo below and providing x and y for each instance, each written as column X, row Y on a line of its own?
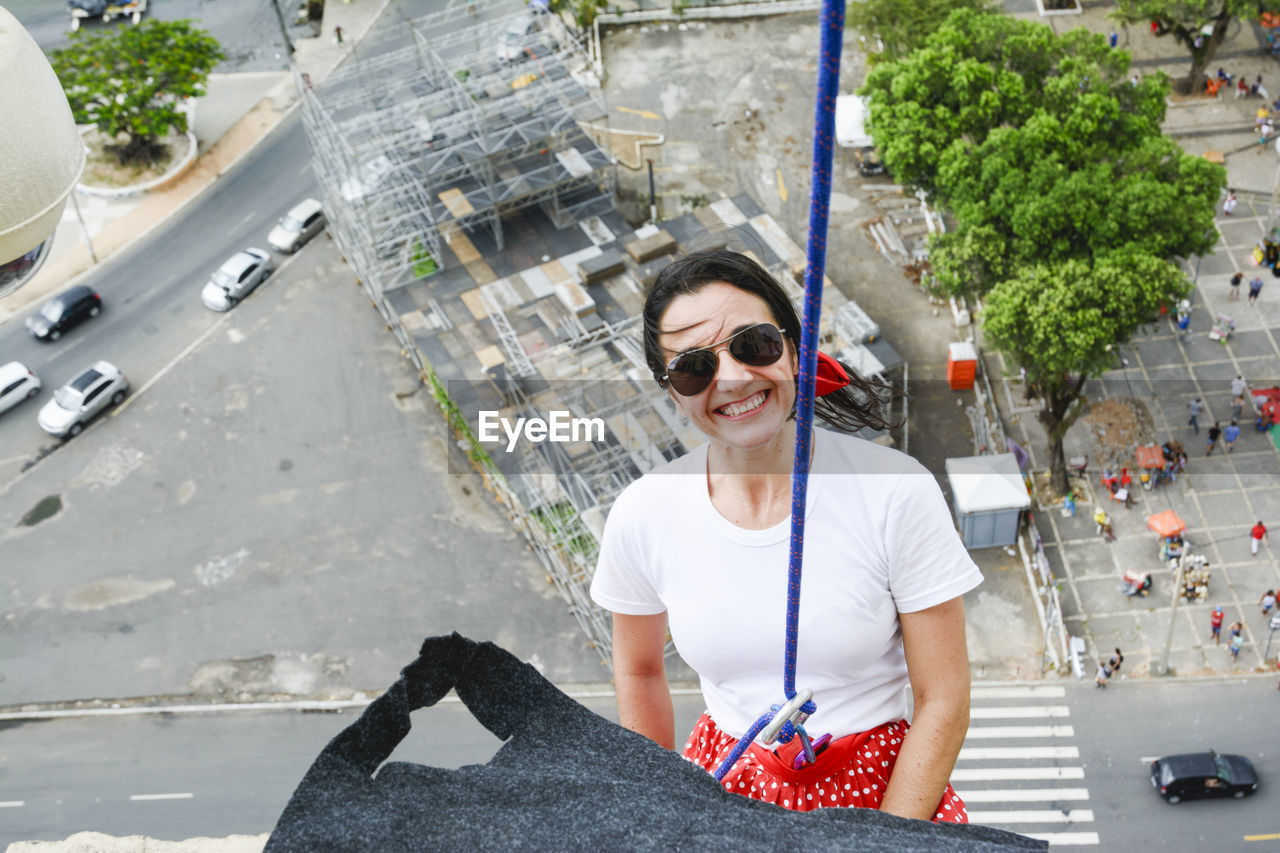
column 178, row 776
column 150, row 293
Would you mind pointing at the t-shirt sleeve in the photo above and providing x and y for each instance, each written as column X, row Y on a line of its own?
column 621, row 582
column 928, row 564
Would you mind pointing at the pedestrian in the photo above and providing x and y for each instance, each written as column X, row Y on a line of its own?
column 337, row 35
column 1237, row 409
column 1234, row 645
column 1267, row 601
column 1103, row 521
column 1242, row 88
column 1239, row 386
column 1215, row 624
column 1116, row 659
column 1255, row 536
column 1260, row 90
column 1264, row 135
column 1230, row 434
column 1197, row 409
column 1113, row 39
column 721, row 338
column 1215, row 432
column 1255, row 287
column 1229, row 205
column 1104, row 672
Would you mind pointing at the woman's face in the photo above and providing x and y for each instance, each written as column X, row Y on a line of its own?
column 744, row 407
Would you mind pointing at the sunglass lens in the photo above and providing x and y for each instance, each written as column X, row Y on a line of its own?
column 692, row 372
column 758, row 346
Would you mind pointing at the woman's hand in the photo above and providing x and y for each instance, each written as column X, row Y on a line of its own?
column 938, row 666
column 640, row 674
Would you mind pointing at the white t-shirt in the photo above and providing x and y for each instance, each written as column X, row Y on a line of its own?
column 878, row 540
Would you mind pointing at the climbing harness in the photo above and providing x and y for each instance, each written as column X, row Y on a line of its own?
column 783, row 722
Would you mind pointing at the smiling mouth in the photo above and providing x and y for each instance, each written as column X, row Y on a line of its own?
column 744, row 407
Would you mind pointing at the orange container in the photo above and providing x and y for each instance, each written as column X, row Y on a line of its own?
column 962, row 365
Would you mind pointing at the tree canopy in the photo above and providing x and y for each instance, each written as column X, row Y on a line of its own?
column 1070, row 204
column 131, row 81
column 1198, row 25
column 900, row 27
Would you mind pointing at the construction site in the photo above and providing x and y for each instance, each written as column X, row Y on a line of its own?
column 470, row 191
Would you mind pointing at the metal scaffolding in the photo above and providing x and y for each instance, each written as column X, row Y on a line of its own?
column 463, row 122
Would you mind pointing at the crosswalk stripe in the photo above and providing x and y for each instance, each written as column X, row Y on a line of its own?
column 1064, row 838
column 1032, row 816
column 1001, row 774
column 983, row 732
column 1023, row 795
column 986, row 753
column 1017, row 693
column 1013, row 712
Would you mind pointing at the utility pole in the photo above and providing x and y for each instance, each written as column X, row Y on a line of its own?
column 653, row 194
column 1163, row 668
column 284, row 30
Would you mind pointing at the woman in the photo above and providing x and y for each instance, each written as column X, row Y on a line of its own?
column 700, row 546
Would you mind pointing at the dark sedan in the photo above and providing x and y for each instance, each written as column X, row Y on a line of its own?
column 1203, row 774
column 61, row 313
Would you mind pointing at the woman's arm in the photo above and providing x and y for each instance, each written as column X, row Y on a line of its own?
column 640, row 673
column 938, row 666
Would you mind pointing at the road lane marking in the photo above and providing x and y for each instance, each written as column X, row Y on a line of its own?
column 1269, row 837
column 782, row 186
column 987, row 753
column 1023, row 795
column 12, row 804
column 143, row 797
column 222, row 321
column 1032, row 816
column 1017, row 692
column 1064, row 837
column 244, row 220
column 1019, row 712
column 1009, row 774
column 981, row 732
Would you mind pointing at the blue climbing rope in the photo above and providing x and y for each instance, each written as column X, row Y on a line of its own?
column 832, row 23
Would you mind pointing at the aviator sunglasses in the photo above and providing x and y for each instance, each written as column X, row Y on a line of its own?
column 692, row 371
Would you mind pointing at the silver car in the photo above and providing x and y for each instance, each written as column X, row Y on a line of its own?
column 76, row 403
column 299, row 225
column 233, row 281
column 17, row 383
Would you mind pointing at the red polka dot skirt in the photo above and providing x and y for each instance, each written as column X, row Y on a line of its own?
column 851, row 772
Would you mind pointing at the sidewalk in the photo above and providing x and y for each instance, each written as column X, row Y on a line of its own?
column 236, row 113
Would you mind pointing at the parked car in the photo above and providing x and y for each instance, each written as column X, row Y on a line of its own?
column 17, row 383
column 76, row 403
column 1203, row 774
column 869, row 162
column 303, row 221
column 68, row 309
column 233, row 281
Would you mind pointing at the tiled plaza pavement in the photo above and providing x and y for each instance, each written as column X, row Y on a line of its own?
column 1220, row 497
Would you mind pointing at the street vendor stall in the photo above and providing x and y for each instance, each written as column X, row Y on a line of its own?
column 1267, row 403
column 1151, row 460
column 1170, row 528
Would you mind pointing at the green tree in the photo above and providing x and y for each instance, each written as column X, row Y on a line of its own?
column 899, row 26
column 583, row 12
column 131, row 81
column 1069, row 202
column 1198, row 25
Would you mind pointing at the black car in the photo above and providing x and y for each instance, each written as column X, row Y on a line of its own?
column 64, row 311
column 1203, row 774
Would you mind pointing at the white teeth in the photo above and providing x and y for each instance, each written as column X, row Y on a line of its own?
column 755, row 401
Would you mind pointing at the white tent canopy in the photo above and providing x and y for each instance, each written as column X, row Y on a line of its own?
column 987, row 483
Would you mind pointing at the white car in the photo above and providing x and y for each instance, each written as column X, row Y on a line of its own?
column 367, row 178
column 76, row 403
column 17, row 383
column 304, row 221
column 233, row 281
